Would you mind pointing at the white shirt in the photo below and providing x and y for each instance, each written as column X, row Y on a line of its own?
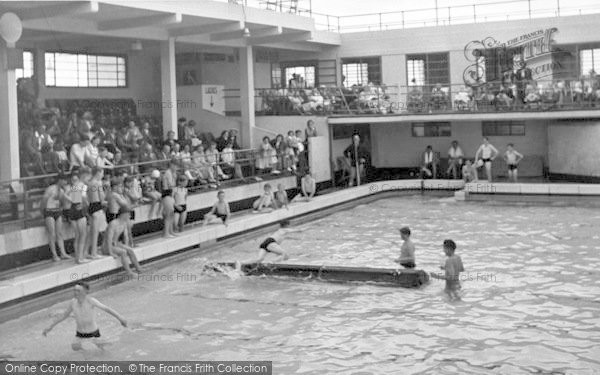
column 428, row 157
column 455, row 153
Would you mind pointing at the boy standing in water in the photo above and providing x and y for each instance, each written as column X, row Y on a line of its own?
column 407, row 250
column 452, row 269
column 82, row 307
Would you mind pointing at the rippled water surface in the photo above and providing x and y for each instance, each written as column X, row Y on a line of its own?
column 531, row 299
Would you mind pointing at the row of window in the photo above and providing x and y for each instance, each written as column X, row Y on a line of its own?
column 488, row 129
column 88, row 70
column 78, row 69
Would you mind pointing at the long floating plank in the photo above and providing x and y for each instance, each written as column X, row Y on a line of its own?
column 406, row 278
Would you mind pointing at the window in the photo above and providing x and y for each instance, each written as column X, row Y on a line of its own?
column 427, row 69
column 304, row 73
column 276, row 76
column 431, row 129
column 502, row 128
column 589, row 59
column 83, row 70
column 28, row 63
column 361, row 71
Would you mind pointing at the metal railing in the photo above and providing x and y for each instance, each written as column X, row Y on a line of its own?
column 526, row 96
column 298, row 7
column 20, row 199
column 454, row 15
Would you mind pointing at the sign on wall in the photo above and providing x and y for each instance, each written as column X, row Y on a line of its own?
column 490, row 59
column 213, row 99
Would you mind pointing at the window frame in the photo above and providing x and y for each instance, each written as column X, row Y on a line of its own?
column 305, row 64
column 33, row 70
column 510, row 125
column 125, row 57
column 427, row 59
column 425, row 125
column 370, row 61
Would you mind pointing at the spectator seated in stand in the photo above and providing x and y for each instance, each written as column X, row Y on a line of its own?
column 230, row 166
column 532, row 98
column 549, row 97
column 415, row 99
column 438, row 99
column 504, row 99
column 59, row 159
column 463, row 99
column 201, row 170
column 213, row 158
column 264, row 159
column 429, row 163
column 486, row 99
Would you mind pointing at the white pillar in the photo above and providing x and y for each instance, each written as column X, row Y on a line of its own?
column 247, row 96
column 9, row 121
column 168, row 86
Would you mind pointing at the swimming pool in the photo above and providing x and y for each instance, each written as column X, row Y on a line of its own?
column 530, row 303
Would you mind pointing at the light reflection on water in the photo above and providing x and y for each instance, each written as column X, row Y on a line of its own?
column 531, row 299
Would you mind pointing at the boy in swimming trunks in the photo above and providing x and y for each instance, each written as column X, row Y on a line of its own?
column 180, row 197
column 512, row 158
column 407, row 250
column 266, row 200
column 95, row 210
column 52, row 213
column 281, row 198
column 308, row 186
column 82, row 307
column 452, row 269
column 272, row 244
column 487, row 152
column 169, row 181
column 220, row 211
column 75, row 199
column 117, row 248
column 469, row 172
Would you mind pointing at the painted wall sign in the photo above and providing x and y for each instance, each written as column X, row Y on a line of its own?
column 490, row 59
column 213, row 99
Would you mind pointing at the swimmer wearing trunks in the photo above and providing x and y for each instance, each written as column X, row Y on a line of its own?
column 83, row 309
column 407, row 250
column 180, row 194
column 272, row 244
column 512, row 158
column 53, row 216
column 220, row 211
column 266, row 200
column 487, row 153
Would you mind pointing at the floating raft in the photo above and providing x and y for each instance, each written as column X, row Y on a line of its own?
column 406, row 278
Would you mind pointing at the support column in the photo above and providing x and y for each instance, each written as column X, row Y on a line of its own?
column 247, row 96
column 9, row 121
column 168, row 86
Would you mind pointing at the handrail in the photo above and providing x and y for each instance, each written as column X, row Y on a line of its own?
column 456, row 14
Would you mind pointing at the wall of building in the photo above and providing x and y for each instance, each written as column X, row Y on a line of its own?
column 393, row 145
column 573, row 148
column 143, row 82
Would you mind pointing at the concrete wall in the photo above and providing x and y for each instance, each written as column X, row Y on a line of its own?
column 573, row 148
column 395, row 147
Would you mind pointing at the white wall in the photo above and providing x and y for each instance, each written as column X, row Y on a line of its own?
column 395, row 147
column 573, row 148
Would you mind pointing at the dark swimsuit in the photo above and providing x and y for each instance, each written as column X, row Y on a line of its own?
column 76, row 212
column 89, row 335
column 487, row 160
column 110, row 217
column 54, row 213
column 512, row 167
column 408, row 264
column 132, row 215
column 94, row 207
column 183, row 208
column 221, row 216
column 167, row 193
column 265, row 244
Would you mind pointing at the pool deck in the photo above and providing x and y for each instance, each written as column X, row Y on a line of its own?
column 28, row 283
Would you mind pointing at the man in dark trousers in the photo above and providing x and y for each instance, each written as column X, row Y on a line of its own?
column 357, row 156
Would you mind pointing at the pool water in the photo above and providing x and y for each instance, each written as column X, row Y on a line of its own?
column 531, row 299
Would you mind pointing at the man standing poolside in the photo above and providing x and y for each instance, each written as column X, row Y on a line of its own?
column 82, row 308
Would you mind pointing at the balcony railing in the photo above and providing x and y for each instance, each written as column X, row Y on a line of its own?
column 20, row 199
column 526, row 96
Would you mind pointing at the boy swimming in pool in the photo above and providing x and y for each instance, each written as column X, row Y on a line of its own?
column 272, row 244
column 82, row 308
column 452, row 269
column 407, row 250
